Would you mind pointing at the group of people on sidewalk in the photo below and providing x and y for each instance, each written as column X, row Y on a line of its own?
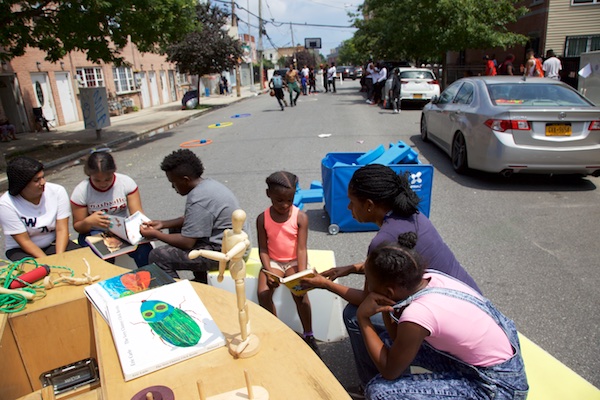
column 376, row 75
column 405, row 315
column 533, row 67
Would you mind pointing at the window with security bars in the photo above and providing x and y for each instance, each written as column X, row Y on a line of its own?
column 575, row 45
column 90, row 77
column 123, row 78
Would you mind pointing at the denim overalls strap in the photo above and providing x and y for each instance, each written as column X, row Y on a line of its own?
column 508, row 377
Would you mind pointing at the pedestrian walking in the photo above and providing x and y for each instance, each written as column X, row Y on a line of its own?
column 552, row 66
column 276, row 85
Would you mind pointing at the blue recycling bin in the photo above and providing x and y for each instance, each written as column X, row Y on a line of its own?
column 207, row 92
column 337, row 170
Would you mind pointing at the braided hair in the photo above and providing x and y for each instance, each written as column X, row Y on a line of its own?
column 383, row 186
column 99, row 161
column 398, row 262
column 282, row 179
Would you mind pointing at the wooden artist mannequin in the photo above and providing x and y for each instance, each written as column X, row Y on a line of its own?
column 234, row 246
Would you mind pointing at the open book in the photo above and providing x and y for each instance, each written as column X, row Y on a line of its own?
column 122, row 237
column 161, row 327
column 134, row 281
column 293, row 281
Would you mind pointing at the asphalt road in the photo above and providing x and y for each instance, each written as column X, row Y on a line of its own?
column 531, row 242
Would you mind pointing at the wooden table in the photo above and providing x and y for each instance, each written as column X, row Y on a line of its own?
column 285, row 365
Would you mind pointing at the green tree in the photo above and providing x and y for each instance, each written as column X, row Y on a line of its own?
column 209, row 49
column 421, row 30
column 349, row 55
column 100, row 28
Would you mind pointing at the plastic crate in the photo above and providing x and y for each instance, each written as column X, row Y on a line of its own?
column 337, row 170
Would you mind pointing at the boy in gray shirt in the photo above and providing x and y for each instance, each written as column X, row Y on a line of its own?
column 208, row 209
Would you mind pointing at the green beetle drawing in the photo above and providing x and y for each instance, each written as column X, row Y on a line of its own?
column 171, row 324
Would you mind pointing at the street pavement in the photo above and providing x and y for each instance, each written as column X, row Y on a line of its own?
column 66, row 143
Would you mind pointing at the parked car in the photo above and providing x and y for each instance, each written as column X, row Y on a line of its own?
column 343, row 70
column 417, row 85
column 508, row 125
column 356, row 72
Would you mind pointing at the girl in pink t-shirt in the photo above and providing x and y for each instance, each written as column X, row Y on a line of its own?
column 282, row 234
column 436, row 322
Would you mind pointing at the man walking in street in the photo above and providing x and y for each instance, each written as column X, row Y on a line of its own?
column 291, row 78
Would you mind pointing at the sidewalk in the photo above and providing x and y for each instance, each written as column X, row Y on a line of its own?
column 72, row 141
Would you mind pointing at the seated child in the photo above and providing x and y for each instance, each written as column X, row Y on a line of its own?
column 438, row 323
column 282, row 235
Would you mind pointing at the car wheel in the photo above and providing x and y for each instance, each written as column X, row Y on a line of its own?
column 424, row 133
column 459, row 154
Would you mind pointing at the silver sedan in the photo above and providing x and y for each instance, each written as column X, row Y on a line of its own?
column 506, row 124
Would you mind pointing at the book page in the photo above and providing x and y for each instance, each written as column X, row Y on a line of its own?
column 117, row 227
column 132, row 227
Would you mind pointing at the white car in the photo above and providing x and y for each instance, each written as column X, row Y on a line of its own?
column 417, row 84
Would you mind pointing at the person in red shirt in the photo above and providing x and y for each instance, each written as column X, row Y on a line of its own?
column 490, row 68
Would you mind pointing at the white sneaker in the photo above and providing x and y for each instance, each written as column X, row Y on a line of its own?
column 396, row 111
column 369, row 102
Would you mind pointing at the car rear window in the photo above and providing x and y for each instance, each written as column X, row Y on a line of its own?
column 416, row 75
column 521, row 94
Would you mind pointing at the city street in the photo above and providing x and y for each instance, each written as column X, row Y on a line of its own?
column 530, row 242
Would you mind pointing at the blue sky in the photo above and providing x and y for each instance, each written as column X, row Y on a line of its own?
column 322, row 12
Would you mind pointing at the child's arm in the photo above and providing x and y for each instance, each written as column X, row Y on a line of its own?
column 302, row 252
column 391, row 362
column 134, row 202
column 263, row 250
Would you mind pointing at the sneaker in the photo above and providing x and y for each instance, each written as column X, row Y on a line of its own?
column 296, row 102
column 282, row 108
column 396, row 111
column 312, row 343
column 356, row 392
column 369, row 101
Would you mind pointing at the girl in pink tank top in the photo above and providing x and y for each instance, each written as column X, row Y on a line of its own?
column 282, row 236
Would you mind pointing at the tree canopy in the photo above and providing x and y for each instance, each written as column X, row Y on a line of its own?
column 209, row 49
column 100, row 28
column 421, row 30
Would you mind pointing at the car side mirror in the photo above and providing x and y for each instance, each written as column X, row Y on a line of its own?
column 435, row 99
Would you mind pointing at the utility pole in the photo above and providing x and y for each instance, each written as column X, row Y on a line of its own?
column 293, row 46
column 260, row 46
column 234, row 23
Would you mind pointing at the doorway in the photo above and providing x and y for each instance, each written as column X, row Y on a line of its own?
column 67, row 99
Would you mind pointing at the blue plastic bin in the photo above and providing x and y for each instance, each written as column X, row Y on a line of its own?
column 337, row 170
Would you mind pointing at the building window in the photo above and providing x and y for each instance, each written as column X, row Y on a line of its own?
column 90, row 77
column 575, row 45
column 123, row 77
column 576, row 2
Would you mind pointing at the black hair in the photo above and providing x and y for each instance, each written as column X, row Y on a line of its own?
column 99, row 161
column 283, row 179
column 183, row 162
column 398, row 262
column 20, row 171
column 381, row 185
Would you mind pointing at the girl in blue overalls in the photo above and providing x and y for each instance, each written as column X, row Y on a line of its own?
column 438, row 323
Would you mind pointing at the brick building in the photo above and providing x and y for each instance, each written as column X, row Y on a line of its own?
column 30, row 82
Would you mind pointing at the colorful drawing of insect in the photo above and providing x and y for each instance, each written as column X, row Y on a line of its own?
column 171, row 324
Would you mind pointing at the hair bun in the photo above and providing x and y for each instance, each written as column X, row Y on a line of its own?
column 408, row 240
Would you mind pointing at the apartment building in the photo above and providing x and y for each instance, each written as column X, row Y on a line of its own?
column 30, row 82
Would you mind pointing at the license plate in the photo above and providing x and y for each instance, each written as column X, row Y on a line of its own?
column 417, row 96
column 558, row 130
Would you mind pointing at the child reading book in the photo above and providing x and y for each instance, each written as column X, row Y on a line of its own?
column 282, row 235
column 104, row 194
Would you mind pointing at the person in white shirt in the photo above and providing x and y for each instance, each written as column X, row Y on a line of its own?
column 552, row 66
column 331, row 77
column 379, row 83
column 34, row 213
